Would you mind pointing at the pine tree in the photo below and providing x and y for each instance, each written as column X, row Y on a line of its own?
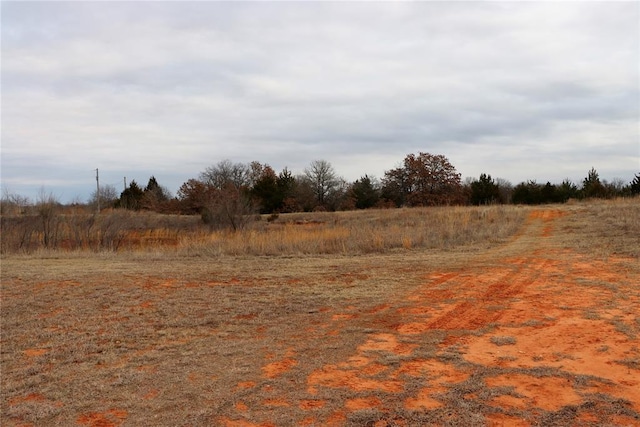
column 131, row 197
column 484, row 191
column 591, row 186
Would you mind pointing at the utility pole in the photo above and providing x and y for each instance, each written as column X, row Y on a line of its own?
column 98, row 190
column 125, row 182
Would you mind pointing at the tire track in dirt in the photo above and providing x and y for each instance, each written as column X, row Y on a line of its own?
column 477, row 313
column 496, row 343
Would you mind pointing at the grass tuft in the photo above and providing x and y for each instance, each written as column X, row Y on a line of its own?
column 503, row 340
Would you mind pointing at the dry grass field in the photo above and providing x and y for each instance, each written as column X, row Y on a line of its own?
column 445, row 316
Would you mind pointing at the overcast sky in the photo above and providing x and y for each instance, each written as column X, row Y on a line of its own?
column 521, row 91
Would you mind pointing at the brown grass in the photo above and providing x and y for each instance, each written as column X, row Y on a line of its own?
column 373, row 231
column 111, row 230
column 313, row 321
column 605, row 227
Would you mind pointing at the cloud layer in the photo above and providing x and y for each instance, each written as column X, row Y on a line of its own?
column 519, row 90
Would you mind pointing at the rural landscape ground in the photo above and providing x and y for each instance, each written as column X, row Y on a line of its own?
column 540, row 326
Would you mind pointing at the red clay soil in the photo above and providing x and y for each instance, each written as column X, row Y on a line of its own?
column 539, row 338
column 110, row 418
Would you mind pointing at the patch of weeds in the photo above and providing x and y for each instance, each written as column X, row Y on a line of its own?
column 489, row 393
column 451, row 416
column 563, row 356
column 123, row 378
column 33, row 411
column 542, row 372
column 390, row 360
column 566, row 415
column 603, row 349
column 489, row 327
column 623, row 328
column 404, row 417
column 532, row 323
column 597, row 284
column 630, row 363
column 503, row 340
column 537, row 358
column 450, row 357
column 591, row 315
column 507, row 358
column 364, row 417
column 606, row 406
column 583, row 381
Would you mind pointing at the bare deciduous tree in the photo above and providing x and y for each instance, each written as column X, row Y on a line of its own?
column 108, row 196
column 47, row 207
column 228, row 201
column 323, row 180
column 227, row 173
column 12, row 203
column 229, row 207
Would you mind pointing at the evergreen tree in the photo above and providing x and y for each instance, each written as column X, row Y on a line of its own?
column 548, row 193
column 634, row 185
column 567, row 190
column 286, row 185
column 131, row 197
column 527, row 193
column 265, row 191
column 395, row 186
column 484, row 191
column 591, row 186
column 364, row 193
column 154, row 195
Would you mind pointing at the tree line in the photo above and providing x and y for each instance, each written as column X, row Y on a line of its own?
column 228, row 194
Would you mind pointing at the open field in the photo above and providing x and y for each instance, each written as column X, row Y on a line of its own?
column 534, row 321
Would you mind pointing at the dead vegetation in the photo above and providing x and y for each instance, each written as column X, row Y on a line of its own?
column 362, row 232
column 450, row 330
column 605, row 227
column 345, row 233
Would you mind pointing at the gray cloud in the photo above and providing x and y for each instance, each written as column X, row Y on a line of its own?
column 519, row 90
